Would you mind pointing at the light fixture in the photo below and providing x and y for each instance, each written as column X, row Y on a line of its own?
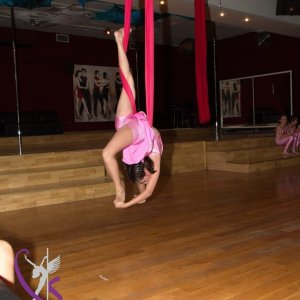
column 222, row 14
column 220, row 3
column 107, row 31
column 246, row 19
column 162, row 2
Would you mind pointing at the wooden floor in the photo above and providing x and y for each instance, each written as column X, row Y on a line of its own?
column 203, row 235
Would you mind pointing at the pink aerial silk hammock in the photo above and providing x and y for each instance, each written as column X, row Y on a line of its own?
column 200, row 57
column 149, row 56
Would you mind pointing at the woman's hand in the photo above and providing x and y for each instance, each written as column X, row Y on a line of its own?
column 119, row 204
column 141, row 202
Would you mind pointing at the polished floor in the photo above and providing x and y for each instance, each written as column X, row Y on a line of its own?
column 202, row 235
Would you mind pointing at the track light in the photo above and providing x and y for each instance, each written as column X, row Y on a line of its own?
column 107, row 31
column 162, row 2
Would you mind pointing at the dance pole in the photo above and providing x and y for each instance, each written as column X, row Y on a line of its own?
column 13, row 26
column 215, row 87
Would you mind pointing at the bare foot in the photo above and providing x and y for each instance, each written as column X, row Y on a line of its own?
column 119, row 35
column 286, row 154
column 120, row 194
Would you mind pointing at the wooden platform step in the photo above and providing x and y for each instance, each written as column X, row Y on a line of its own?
column 240, row 144
column 61, row 175
column 247, row 155
column 50, row 159
column 42, row 195
column 49, row 178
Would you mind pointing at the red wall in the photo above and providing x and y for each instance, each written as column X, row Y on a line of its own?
column 241, row 56
column 46, row 80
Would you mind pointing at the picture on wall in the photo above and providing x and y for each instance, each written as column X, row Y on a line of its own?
column 230, row 94
column 96, row 90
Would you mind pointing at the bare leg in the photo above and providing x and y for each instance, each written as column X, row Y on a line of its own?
column 295, row 143
column 85, row 107
column 124, row 107
column 122, row 138
column 77, row 107
column 6, row 261
column 286, row 142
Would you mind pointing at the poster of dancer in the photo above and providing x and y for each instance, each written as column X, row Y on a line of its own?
column 230, row 98
column 96, row 90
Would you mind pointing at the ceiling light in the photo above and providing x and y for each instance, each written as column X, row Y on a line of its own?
column 222, row 14
column 162, row 2
column 107, row 31
column 246, row 19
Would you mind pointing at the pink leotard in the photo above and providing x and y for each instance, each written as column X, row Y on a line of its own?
column 145, row 139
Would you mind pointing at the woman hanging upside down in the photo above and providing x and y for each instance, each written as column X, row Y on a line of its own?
column 141, row 144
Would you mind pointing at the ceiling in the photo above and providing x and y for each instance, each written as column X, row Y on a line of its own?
column 67, row 16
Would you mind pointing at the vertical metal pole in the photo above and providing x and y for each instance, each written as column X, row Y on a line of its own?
column 215, row 87
column 253, row 102
column 13, row 26
column 47, row 295
column 291, row 93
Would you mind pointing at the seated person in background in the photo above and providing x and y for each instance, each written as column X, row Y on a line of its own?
column 6, row 272
column 283, row 138
column 293, row 129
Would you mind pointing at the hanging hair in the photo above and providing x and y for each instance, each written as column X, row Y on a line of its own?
column 149, row 164
column 136, row 172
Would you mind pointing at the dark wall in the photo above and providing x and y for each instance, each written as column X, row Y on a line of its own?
column 241, row 56
column 45, row 74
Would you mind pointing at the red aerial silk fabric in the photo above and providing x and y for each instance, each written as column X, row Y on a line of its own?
column 149, row 56
column 127, row 21
column 149, row 59
column 200, row 58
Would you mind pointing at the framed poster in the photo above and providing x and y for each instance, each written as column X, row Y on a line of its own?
column 230, row 94
column 96, row 90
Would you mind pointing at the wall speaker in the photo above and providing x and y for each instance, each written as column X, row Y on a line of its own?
column 288, row 7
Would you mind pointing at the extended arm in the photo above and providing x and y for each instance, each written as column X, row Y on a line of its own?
column 141, row 187
column 43, row 261
column 29, row 261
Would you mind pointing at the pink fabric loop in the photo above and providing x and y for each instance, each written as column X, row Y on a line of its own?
column 200, row 58
column 127, row 21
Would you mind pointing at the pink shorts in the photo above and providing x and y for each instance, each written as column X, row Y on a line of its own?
column 145, row 139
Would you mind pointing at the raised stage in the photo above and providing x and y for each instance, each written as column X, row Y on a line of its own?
column 69, row 167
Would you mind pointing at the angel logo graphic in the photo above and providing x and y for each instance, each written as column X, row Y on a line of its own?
column 42, row 272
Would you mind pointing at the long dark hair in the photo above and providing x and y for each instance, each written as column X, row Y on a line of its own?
column 136, row 172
